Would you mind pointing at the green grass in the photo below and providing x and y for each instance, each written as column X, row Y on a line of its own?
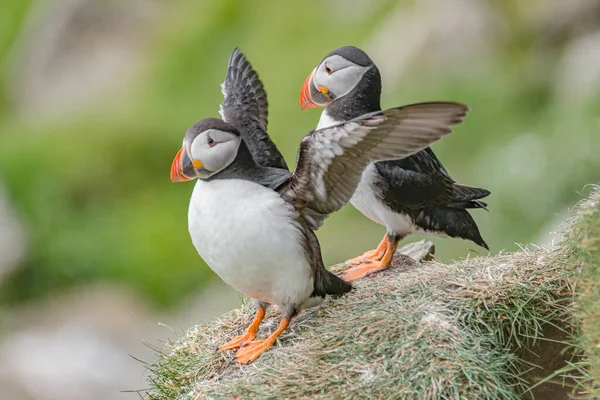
column 584, row 245
column 502, row 327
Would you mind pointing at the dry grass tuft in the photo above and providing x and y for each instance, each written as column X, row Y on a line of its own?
column 485, row 327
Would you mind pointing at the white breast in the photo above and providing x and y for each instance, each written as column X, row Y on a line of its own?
column 248, row 235
column 326, row 121
column 365, row 201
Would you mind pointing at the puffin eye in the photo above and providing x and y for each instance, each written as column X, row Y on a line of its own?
column 211, row 142
column 328, row 70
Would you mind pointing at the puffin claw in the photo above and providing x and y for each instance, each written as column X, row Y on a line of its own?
column 238, row 341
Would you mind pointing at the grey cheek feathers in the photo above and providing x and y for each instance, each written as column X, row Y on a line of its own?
column 345, row 80
column 221, row 156
column 217, row 158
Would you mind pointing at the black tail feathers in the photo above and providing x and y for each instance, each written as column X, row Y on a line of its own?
column 328, row 283
column 468, row 197
column 456, row 223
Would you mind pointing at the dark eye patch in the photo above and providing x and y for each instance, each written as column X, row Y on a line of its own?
column 211, row 142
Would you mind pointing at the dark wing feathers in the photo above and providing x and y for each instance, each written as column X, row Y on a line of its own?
column 464, row 193
column 243, row 91
column 403, row 187
column 245, row 106
column 421, row 181
column 330, row 161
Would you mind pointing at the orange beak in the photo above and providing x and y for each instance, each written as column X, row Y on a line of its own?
column 306, row 100
column 177, row 168
column 313, row 96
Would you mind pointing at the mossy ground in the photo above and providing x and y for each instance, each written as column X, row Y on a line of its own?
column 511, row 326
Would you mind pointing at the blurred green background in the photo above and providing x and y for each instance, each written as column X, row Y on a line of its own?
column 89, row 178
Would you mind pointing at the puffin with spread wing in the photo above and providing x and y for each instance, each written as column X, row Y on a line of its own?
column 253, row 221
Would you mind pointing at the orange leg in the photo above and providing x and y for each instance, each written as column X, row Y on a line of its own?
column 371, row 255
column 362, row 270
column 253, row 349
column 250, row 333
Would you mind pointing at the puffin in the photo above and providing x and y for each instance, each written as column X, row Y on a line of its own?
column 254, row 225
column 412, row 195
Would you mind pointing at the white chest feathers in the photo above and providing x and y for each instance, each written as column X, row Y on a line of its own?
column 249, row 236
column 326, row 120
column 366, row 201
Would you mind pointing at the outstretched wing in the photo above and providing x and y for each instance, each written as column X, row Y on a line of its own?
column 330, row 161
column 245, row 106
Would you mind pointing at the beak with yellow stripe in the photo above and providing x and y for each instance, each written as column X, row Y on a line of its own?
column 341, row 72
column 209, row 146
column 313, row 95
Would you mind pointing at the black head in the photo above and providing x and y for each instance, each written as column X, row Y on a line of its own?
column 206, row 124
column 209, row 146
column 352, row 54
column 346, row 81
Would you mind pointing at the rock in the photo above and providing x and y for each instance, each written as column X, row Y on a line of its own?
column 423, row 250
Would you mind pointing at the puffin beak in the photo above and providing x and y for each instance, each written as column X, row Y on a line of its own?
column 312, row 96
column 182, row 169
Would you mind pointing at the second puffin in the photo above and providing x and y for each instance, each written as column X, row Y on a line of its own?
column 411, row 195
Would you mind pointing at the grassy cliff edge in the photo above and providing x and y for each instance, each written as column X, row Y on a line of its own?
column 511, row 326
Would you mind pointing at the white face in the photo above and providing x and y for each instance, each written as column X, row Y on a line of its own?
column 336, row 77
column 212, row 151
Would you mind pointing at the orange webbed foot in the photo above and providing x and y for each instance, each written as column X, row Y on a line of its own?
column 365, row 257
column 362, row 270
column 371, row 255
column 249, row 335
column 252, row 350
column 237, row 342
